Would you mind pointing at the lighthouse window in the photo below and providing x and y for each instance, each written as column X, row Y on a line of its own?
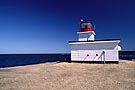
column 86, row 25
column 82, row 26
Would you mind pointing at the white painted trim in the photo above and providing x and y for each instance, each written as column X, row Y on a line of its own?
column 86, row 32
column 94, row 42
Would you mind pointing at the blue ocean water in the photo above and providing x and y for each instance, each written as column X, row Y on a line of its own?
column 127, row 55
column 10, row 60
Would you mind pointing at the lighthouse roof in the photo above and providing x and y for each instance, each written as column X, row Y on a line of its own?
column 96, row 41
column 86, row 22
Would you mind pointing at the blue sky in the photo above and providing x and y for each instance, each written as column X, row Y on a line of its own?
column 46, row 26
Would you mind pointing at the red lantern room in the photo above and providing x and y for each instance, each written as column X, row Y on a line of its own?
column 86, row 26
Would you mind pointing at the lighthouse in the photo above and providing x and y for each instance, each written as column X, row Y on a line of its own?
column 89, row 49
column 87, row 31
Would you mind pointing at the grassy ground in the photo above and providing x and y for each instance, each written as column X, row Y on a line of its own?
column 69, row 76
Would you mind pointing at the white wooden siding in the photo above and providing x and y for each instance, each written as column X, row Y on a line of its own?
column 86, row 36
column 87, row 52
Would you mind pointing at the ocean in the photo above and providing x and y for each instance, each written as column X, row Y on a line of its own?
column 10, row 60
column 127, row 55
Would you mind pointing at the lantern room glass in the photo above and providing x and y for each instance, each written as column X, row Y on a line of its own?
column 86, row 25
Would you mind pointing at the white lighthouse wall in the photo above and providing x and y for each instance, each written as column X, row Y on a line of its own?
column 92, row 37
column 95, row 52
column 86, row 36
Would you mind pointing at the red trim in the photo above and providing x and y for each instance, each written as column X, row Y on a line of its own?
column 86, row 29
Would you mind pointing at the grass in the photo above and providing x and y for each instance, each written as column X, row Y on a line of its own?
column 69, row 76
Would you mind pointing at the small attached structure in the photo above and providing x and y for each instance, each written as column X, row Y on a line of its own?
column 87, row 49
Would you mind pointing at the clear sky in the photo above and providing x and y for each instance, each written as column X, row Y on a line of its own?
column 46, row 26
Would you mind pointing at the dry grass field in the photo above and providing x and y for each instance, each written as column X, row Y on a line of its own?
column 69, row 76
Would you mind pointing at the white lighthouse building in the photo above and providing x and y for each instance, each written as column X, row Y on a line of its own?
column 88, row 49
